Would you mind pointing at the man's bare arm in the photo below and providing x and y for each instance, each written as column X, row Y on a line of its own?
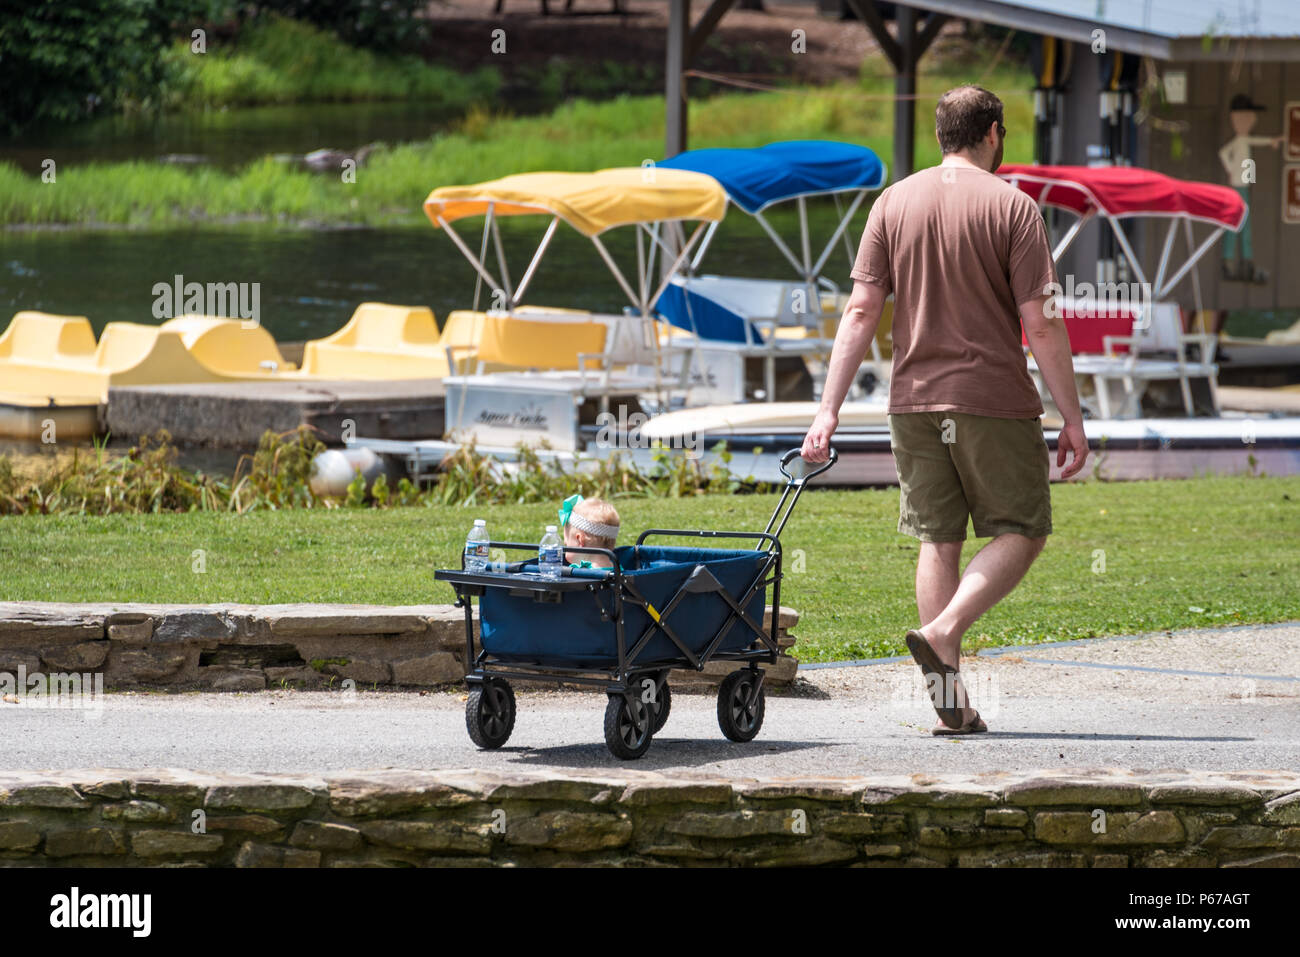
column 1050, row 344
column 857, row 328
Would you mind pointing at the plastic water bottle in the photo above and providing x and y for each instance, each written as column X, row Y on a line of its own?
column 549, row 555
column 476, row 547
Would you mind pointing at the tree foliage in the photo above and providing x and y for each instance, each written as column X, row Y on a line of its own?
column 64, row 59
column 378, row 24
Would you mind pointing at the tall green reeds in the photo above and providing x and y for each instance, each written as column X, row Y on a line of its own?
column 147, row 478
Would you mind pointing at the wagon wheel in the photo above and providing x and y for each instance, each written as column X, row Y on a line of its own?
column 663, row 704
column 738, row 716
column 490, row 713
column 629, row 726
column 663, row 701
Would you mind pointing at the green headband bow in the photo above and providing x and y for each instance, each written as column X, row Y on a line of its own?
column 566, row 509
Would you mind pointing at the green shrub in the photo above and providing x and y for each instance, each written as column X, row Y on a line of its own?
column 59, row 60
column 280, row 470
column 64, row 59
column 282, row 61
column 278, row 476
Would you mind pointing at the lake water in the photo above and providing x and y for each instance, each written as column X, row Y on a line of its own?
column 228, row 139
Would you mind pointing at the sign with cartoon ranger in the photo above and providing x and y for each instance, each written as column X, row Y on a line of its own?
column 1239, row 164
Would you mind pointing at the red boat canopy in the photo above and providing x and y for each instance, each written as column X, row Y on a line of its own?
column 1120, row 191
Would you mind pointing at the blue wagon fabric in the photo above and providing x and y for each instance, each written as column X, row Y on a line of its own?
column 571, row 633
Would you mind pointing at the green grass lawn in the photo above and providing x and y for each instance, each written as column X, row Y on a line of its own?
column 1207, row 552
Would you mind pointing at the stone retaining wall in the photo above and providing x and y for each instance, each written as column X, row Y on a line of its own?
column 412, row 818
column 252, row 647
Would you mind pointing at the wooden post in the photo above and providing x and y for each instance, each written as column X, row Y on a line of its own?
column 904, row 91
column 903, row 54
column 684, row 44
column 675, row 116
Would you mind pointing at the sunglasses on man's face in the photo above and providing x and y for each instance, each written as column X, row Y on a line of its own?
column 1002, row 131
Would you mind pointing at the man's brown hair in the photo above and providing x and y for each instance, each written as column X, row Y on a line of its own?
column 963, row 116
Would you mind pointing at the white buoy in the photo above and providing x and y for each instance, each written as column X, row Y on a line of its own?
column 330, row 474
column 334, row 469
column 367, row 460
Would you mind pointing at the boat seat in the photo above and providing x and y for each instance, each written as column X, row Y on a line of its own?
column 124, row 344
column 1124, row 346
column 44, row 357
column 460, row 338
column 377, row 325
column 45, row 337
column 48, row 358
column 131, row 353
column 1131, row 372
column 541, row 340
column 462, row 330
column 229, row 346
column 380, row 341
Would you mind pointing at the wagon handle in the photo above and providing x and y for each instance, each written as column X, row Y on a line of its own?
column 795, row 484
column 793, row 454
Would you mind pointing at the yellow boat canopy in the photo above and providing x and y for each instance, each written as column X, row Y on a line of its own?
column 589, row 202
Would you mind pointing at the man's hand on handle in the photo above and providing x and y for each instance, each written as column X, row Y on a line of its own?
column 817, row 443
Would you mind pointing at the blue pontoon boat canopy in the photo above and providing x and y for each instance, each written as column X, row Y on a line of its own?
column 756, row 178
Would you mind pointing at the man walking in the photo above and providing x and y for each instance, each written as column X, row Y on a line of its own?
column 966, row 257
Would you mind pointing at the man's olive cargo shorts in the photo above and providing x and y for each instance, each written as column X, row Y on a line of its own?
column 953, row 465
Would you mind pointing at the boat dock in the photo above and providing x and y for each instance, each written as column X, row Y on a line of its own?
column 235, row 414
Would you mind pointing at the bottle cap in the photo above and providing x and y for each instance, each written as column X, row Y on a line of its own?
column 479, row 521
column 550, row 528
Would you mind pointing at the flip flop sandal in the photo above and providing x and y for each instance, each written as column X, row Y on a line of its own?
column 931, row 664
column 975, row 726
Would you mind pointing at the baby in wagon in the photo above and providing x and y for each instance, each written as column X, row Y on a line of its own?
column 588, row 523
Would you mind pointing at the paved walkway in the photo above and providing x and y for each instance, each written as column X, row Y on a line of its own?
column 1225, row 699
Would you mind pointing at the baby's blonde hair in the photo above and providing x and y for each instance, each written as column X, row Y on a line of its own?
column 598, row 510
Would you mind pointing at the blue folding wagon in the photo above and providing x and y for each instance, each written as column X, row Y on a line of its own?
column 624, row 628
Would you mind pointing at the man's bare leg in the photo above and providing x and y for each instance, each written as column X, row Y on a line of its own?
column 937, row 576
column 938, row 572
column 992, row 573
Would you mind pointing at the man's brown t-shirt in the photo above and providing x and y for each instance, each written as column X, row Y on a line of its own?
column 960, row 249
